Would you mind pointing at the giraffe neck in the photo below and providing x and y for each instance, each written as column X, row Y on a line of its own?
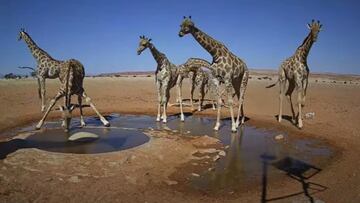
column 158, row 56
column 208, row 43
column 303, row 50
column 36, row 51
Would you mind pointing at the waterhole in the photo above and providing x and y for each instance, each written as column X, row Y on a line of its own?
column 252, row 155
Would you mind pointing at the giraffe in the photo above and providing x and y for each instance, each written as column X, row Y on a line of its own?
column 207, row 84
column 166, row 76
column 71, row 75
column 226, row 67
column 296, row 71
column 192, row 66
column 47, row 67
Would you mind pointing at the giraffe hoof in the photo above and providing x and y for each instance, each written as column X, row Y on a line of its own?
column 164, row 121
column 107, row 124
column 37, row 127
column 182, row 117
column 216, row 128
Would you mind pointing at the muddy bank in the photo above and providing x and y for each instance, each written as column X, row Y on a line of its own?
column 336, row 114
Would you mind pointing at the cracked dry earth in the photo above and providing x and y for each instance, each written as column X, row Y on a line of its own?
column 32, row 175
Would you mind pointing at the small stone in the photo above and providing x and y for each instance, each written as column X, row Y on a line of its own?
column 195, row 174
column 211, row 169
column 188, row 132
column 74, row 179
column 310, row 115
column 150, row 128
column 48, row 179
column 279, row 137
column 217, row 157
column 222, row 153
column 227, row 147
column 195, row 164
column 210, row 151
column 171, row 182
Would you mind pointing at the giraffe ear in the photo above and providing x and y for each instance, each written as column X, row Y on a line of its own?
column 184, row 17
column 309, row 26
column 189, row 17
column 150, row 40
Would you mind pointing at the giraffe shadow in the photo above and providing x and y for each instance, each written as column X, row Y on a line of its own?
column 229, row 119
column 206, row 106
column 295, row 169
column 186, row 114
column 287, row 118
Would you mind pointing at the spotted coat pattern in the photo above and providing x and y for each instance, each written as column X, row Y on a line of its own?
column 226, row 67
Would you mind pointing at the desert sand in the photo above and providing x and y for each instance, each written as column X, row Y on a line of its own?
column 143, row 174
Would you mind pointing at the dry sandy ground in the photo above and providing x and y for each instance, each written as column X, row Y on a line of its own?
column 142, row 174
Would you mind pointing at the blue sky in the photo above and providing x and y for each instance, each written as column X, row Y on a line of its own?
column 104, row 35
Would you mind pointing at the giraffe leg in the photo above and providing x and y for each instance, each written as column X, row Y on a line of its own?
column 51, row 104
column 192, row 89
column 289, row 97
column 39, row 87
column 243, row 86
column 67, row 102
column 299, row 89
column 164, row 101
column 179, row 85
column 159, row 101
column 230, row 101
column 300, row 123
column 217, row 124
column 281, row 96
column 219, row 104
column 43, row 92
column 201, row 96
column 88, row 100
column 82, row 122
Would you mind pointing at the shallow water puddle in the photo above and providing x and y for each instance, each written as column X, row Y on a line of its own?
column 252, row 155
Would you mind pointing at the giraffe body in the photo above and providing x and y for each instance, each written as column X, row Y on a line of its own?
column 191, row 69
column 207, row 85
column 71, row 75
column 295, row 71
column 226, row 68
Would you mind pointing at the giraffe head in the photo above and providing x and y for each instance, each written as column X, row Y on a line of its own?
column 66, row 114
column 186, row 26
column 22, row 33
column 143, row 44
column 315, row 28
